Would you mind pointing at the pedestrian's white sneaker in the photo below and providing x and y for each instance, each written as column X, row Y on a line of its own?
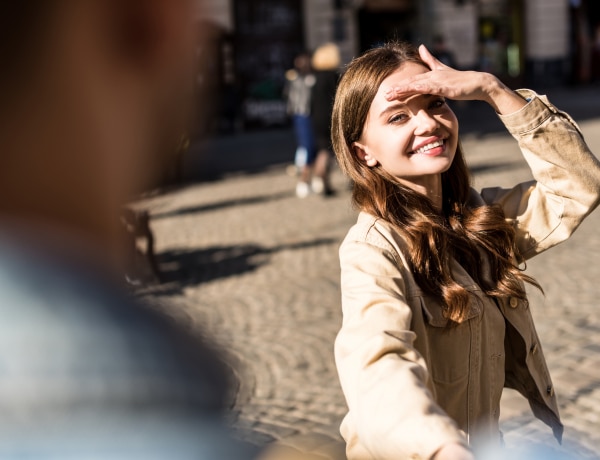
column 318, row 185
column 302, row 189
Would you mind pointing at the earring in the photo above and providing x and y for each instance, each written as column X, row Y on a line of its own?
column 370, row 161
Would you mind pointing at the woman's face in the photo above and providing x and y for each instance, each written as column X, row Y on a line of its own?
column 414, row 139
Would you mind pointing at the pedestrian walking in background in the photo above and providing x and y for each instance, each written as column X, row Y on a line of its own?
column 436, row 317
column 299, row 86
column 325, row 62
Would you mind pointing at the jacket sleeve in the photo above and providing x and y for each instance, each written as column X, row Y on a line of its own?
column 382, row 375
column 566, row 188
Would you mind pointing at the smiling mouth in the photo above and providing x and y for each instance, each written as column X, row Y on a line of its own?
column 426, row 148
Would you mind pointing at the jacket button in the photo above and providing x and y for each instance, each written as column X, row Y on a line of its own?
column 514, row 302
column 534, row 348
column 550, row 390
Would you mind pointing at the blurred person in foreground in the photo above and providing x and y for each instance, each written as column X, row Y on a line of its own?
column 91, row 90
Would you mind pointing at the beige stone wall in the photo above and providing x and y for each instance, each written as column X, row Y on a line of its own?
column 318, row 26
column 318, row 15
column 547, row 29
column 546, row 24
column 458, row 25
column 218, row 11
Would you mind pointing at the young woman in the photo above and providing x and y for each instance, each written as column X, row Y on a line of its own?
column 436, row 319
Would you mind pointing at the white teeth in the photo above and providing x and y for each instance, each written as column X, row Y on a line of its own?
column 428, row 147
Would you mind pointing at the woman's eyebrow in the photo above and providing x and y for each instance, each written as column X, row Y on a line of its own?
column 392, row 108
column 401, row 105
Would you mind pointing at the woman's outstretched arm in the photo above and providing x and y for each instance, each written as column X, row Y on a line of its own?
column 392, row 413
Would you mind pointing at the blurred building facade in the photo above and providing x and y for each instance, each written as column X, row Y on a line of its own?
column 535, row 42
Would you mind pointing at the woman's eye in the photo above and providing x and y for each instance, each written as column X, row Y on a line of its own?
column 398, row 118
column 438, row 103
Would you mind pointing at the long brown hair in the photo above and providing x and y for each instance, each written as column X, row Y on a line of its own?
column 475, row 237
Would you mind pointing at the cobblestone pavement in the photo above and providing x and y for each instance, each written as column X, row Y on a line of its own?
column 257, row 268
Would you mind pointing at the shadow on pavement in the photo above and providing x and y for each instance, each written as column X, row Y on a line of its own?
column 222, row 205
column 181, row 268
column 248, row 152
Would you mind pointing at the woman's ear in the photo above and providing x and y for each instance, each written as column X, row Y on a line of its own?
column 362, row 152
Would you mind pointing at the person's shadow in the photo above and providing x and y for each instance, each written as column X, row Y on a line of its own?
column 180, row 268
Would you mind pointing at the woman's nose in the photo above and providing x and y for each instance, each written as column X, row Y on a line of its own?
column 425, row 123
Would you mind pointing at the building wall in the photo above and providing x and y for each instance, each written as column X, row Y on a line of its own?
column 218, row 11
column 458, row 25
column 318, row 16
column 547, row 29
column 544, row 25
column 547, row 42
column 319, row 27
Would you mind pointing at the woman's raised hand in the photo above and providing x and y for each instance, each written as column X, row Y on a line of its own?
column 445, row 81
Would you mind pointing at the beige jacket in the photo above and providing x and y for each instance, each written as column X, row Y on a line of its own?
column 411, row 384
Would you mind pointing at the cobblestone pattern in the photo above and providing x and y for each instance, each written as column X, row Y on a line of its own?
column 247, row 261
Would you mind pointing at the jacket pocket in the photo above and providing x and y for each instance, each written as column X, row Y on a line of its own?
column 448, row 346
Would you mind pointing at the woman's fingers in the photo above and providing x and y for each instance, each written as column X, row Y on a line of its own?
column 447, row 82
column 441, row 80
column 419, row 84
column 450, row 83
column 429, row 59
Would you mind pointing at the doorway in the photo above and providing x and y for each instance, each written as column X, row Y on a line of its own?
column 378, row 26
